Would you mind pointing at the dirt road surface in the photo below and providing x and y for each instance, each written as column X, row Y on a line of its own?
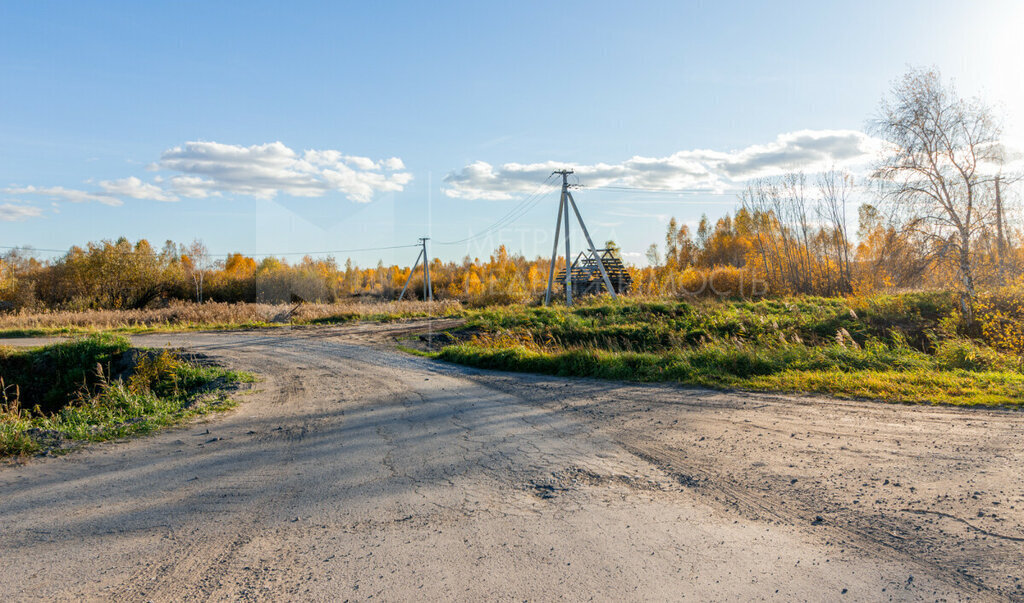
column 355, row 471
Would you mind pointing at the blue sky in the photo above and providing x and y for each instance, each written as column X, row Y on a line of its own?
column 293, row 127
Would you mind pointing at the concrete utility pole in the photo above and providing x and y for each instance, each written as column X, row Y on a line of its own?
column 428, row 289
column 565, row 202
column 554, row 249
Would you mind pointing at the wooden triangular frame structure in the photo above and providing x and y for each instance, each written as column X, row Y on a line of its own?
column 586, row 277
column 564, row 203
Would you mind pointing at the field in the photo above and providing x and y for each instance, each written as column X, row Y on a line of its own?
column 182, row 316
column 911, row 347
column 904, row 348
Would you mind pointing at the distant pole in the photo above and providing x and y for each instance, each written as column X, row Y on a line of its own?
column 563, row 210
column 428, row 289
column 565, row 203
column 411, row 272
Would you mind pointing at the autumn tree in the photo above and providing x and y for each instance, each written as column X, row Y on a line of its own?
column 680, row 250
column 197, row 261
column 940, row 168
column 834, row 190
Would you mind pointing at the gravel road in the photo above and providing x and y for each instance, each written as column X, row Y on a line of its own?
column 355, row 471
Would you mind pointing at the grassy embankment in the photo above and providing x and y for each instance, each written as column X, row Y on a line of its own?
column 903, row 348
column 184, row 316
column 96, row 388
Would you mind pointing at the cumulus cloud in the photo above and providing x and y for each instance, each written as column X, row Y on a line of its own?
column 266, row 170
column 134, row 188
column 11, row 212
column 209, row 169
column 807, row 150
column 65, row 194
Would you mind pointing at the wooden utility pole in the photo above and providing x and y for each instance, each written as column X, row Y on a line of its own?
column 565, row 202
column 428, row 289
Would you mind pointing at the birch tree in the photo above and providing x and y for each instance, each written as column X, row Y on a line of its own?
column 940, row 167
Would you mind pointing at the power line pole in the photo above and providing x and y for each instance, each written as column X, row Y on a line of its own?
column 565, row 202
column 428, row 289
column 554, row 250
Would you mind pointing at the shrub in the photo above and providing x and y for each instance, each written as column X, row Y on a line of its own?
column 1000, row 314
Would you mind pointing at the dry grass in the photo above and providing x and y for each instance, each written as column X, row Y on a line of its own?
column 186, row 315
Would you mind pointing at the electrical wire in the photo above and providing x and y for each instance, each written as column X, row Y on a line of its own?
column 520, row 210
column 331, row 251
column 663, row 191
column 505, row 222
column 287, row 253
column 31, row 249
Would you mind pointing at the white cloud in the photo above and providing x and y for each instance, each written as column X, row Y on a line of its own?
column 194, row 187
column 136, row 189
column 212, row 169
column 264, row 171
column 11, row 212
column 65, row 194
column 807, row 150
column 1013, row 155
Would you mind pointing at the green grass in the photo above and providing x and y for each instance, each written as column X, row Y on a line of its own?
column 49, row 375
column 891, row 348
column 83, row 402
column 629, row 324
column 415, row 352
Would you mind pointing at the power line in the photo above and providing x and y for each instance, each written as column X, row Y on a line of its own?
column 520, row 210
column 663, row 191
column 26, row 248
column 332, row 251
column 514, row 214
column 677, row 202
column 250, row 254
